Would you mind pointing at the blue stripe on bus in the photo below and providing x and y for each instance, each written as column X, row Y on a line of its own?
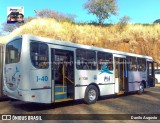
column 40, row 88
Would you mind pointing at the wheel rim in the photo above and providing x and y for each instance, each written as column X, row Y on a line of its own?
column 92, row 94
column 141, row 88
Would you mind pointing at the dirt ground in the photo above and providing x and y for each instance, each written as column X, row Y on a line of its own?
column 147, row 103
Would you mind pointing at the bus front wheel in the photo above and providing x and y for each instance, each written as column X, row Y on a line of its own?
column 91, row 94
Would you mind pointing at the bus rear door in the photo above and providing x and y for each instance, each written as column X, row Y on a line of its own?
column 121, row 77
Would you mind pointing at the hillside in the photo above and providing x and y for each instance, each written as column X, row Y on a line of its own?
column 140, row 39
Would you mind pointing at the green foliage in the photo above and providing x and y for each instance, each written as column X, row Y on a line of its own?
column 157, row 21
column 103, row 9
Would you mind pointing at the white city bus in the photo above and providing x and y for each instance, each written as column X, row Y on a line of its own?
column 43, row 70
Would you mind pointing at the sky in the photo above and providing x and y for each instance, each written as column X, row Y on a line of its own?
column 140, row 11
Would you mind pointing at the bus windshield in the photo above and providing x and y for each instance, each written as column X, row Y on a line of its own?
column 13, row 51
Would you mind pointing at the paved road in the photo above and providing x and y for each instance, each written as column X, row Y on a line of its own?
column 148, row 103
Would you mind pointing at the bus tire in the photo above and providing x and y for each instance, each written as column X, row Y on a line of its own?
column 141, row 88
column 91, row 94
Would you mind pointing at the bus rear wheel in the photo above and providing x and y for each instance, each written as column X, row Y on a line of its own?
column 141, row 88
column 91, row 94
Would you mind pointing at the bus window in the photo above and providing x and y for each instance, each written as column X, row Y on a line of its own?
column 141, row 64
column 86, row 60
column 132, row 63
column 39, row 55
column 13, row 51
column 105, row 58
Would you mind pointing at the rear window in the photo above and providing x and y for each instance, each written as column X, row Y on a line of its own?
column 39, row 55
column 13, row 51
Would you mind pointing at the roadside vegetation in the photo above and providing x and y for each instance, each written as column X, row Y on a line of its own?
column 135, row 38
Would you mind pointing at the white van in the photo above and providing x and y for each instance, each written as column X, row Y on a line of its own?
column 157, row 75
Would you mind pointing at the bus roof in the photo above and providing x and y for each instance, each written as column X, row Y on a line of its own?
column 70, row 44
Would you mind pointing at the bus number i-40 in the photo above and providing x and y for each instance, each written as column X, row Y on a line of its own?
column 43, row 78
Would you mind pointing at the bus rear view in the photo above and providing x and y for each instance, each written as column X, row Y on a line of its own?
column 21, row 73
column 12, row 75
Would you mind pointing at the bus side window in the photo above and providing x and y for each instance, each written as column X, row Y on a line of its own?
column 105, row 58
column 91, row 58
column 86, row 65
column 132, row 63
column 39, row 55
column 141, row 64
column 80, row 56
column 85, row 59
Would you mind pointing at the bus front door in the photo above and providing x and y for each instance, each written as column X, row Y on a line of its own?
column 62, row 75
column 150, row 74
column 121, row 85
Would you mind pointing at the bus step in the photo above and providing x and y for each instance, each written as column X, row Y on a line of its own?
column 60, row 95
column 63, row 100
column 59, row 88
column 120, row 93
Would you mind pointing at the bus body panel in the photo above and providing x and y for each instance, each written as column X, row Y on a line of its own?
column 86, row 77
column 37, row 81
column 107, row 89
column 135, row 78
column 80, row 92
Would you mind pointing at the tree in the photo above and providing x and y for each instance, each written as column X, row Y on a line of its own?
column 46, row 13
column 124, row 20
column 103, row 9
column 8, row 27
column 157, row 21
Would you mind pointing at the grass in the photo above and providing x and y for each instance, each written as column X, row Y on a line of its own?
column 135, row 38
